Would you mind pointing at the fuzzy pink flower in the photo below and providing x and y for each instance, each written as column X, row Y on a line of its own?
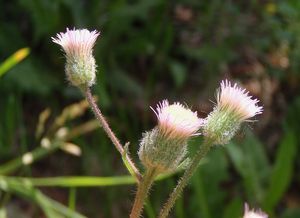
column 177, row 121
column 80, row 64
column 234, row 106
column 77, row 42
column 253, row 214
column 236, row 99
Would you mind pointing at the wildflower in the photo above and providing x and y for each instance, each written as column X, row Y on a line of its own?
column 234, row 106
column 176, row 121
column 165, row 146
column 253, row 214
column 78, row 47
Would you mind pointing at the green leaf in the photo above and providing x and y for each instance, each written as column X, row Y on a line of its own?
column 282, row 172
column 149, row 209
column 206, row 184
column 291, row 213
column 233, row 209
column 250, row 161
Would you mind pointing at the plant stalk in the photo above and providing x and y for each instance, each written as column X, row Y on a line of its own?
column 142, row 192
column 97, row 112
column 203, row 150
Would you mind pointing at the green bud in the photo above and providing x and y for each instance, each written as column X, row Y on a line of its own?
column 81, row 71
column 221, row 126
column 160, row 152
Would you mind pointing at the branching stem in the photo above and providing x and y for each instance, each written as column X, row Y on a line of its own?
column 129, row 163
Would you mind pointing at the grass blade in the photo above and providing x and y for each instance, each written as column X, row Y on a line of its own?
column 14, row 59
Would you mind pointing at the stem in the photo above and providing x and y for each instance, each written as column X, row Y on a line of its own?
column 40, row 152
column 203, row 150
column 81, row 181
column 129, row 163
column 36, row 154
column 142, row 192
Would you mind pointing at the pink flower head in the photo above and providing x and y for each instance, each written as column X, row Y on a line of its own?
column 177, row 121
column 77, row 43
column 236, row 99
column 253, row 214
column 80, row 65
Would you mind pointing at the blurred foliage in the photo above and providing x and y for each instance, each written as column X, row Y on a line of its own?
column 148, row 51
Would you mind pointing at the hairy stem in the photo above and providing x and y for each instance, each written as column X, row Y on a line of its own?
column 129, row 163
column 142, row 192
column 203, row 150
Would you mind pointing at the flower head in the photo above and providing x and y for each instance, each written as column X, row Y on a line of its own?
column 234, row 106
column 233, row 98
column 175, row 120
column 78, row 47
column 77, row 42
column 165, row 146
column 253, row 214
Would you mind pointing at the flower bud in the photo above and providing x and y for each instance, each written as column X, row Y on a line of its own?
column 165, row 147
column 80, row 63
column 234, row 106
column 253, row 214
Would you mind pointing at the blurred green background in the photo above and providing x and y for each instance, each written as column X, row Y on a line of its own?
column 151, row 50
